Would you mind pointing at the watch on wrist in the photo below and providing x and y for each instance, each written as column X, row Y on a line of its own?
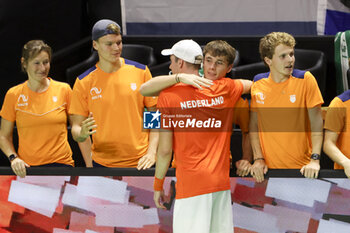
column 12, row 157
column 316, row 156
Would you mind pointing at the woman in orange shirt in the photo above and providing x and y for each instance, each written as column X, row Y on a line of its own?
column 38, row 107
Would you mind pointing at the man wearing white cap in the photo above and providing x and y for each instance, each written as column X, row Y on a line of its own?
column 186, row 57
column 106, row 104
column 203, row 197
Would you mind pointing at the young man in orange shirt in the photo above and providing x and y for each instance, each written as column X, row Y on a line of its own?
column 106, row 104
column 186, row 57
column 337, row 135
column 202, row 154
column 286, row 120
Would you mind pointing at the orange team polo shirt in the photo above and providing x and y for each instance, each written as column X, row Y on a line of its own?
column 201, row 154
column 338, row 120
column 41, row 120
column 283, row 122
column 117, row 107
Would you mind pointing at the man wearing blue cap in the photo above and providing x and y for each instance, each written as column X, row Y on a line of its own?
column 106, row 104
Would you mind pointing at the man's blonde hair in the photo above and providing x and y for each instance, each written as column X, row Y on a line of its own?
column 269, row 43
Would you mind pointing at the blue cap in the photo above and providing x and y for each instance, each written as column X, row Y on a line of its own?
column 100, row 28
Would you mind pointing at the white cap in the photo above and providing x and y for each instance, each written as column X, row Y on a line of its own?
column 187, row 50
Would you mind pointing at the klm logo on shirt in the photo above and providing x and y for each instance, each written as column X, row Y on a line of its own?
column 22, row 100
column 95, row 93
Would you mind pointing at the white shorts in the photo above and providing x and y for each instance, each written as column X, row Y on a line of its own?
column 207, row 213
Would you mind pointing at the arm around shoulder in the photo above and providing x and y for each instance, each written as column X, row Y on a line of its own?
column 155, row 85
column 246, row 85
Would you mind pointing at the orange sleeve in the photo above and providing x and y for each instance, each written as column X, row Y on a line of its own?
column 68, row 96
column 237, row 89
column 313, row 93
column 335, row 116
column 79, row 102
column 149, row 101
column 8, row 107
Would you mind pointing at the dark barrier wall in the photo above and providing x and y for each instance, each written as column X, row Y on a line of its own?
column 102, row 171
column 236, row 152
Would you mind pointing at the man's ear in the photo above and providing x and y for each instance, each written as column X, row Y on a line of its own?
column 181, row 62
column 23, row 63
column 268, row 61
column 229, row 68
column 95, row 45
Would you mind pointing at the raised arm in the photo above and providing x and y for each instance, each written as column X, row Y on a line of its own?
column 154, row 86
